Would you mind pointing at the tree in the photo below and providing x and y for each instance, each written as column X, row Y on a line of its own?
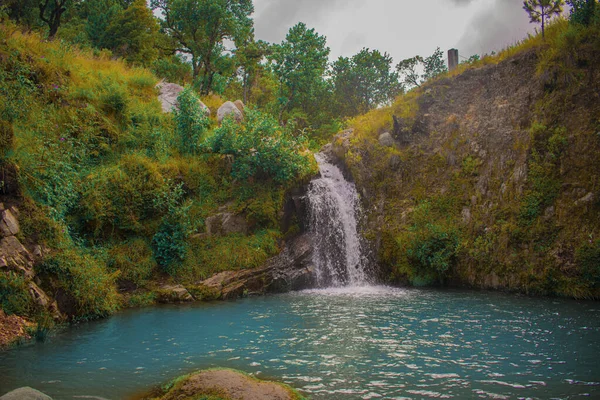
column 434, row 65
column 408, row 70
column 23, row 11
column 200, row 28
column 248, row 58
column 364, row 81
column 583, row 11
column 542, row 10
column 98, row 16
column 51, row 12
column 431, row 66
column 299, row 63
column 132, row 34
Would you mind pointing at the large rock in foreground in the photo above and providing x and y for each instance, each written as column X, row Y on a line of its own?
column 228, row 384
column 25, row 393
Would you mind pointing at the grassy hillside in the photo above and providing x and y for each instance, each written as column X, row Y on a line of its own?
column 118, row 191
column 494, row 179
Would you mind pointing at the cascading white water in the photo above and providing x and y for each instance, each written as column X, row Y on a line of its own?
column 333, row 209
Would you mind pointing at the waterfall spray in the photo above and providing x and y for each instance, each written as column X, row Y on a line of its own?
column 333, row 212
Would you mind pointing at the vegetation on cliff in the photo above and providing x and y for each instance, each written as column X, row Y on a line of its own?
column 493, row 180
column 120, row 191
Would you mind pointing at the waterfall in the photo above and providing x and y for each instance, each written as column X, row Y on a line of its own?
column 333, row 209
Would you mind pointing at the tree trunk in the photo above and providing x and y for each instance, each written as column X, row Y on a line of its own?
column 543, row 23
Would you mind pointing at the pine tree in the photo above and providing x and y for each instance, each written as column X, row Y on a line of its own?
column 542, row 10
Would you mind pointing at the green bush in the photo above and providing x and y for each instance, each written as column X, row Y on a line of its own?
column 433, row 251
column 123, row 195
column 588, row 260
column 6, row 138
column 133, row 260
column 261, row 148
column 86, row 282
column 191, row 121
column 544, row 178
column 169, row 243
column 209, row 255
column 14, row 294
column 584, row 12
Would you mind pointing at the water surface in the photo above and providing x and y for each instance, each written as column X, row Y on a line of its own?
column 351, row 343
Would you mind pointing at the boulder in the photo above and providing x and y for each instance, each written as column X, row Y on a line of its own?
column 9, row 225
column 386, row 140
column 173, row 293
column 227, row 384
column 168, row 93
column 292, row 269
column 240, row 105
column 225, row 224
column 43, row 300
column 229, row 108
column 15, row 257
column 25, row 393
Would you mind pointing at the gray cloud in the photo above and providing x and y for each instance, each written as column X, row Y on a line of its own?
column 462, row 2
column 274, row 18
column 495, row 27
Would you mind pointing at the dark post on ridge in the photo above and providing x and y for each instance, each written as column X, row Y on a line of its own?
column 452, row 59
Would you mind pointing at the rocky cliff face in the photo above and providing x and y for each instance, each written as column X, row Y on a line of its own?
column 487, row 179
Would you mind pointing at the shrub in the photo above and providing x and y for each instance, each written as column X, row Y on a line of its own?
column 6, row 138
column 14, row 294
column 133, row 260
column 588, row 260
column 544, row 184
column 191, row 121
column 169, row 243
column 209, row 255
column 85, row 281
column 261, row 149
column 433, row 250
column 123, row 195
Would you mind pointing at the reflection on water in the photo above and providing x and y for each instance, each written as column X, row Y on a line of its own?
column 345, row 343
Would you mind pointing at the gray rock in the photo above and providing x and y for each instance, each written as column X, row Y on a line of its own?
column 225, row 224
column 25, row 393
column 466, row 215
column 173, row 293
column 395, row 162
column 228, row 108
column 168, row 93
column 386, row 140
column 587, row 199
column 292, row 269
column 240, row 105
column 9, row 225
column 14, row 256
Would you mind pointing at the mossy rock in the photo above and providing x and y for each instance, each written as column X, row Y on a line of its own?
column 224, row 384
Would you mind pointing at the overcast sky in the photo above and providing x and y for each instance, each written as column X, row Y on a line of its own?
column 403, row 28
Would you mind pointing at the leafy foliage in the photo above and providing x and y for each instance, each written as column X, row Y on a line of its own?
column 85, row 281
column 200, row 26
column 192, row 121
column 363, row 82
column 261, row 149
column 14, row 294
column 584, row 12
column 588, row 258
column 432, row 66
column 299, row 63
